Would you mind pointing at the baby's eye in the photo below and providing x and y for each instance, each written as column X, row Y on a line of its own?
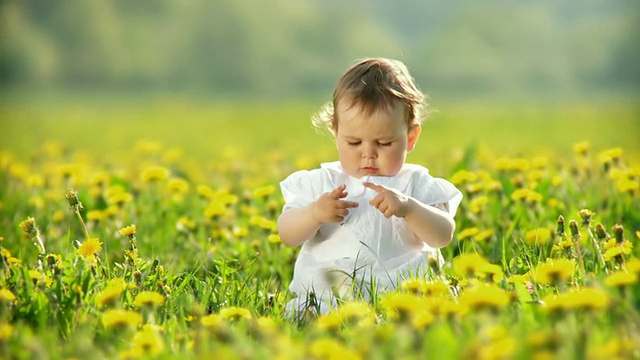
column 354, row 143
column 384, row 143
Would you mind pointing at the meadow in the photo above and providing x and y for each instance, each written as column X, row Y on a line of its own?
column 147, row 229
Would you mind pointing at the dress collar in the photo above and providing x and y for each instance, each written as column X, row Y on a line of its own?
column 354, row 185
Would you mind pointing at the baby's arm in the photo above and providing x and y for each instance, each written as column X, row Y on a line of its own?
column 433, row 225
column 296, row 225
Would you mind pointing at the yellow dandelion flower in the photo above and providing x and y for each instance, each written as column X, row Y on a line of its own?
column 355, row 311
column 519, row 194
column 185, row 224
column 477, row 204
column 225, row 197
column 468, row 233
column 499, row 349
column 215, row 209
column 149, row 298
column 544, row 339
column 205, row 191
column 212, row 320
column 610, row 155
column 6, row 331
column 240, row 231
column 264, row 191
column 147, row 147
column 95, row 215
column 554, row 271
column 484, row 235
column 329, row 348
column 99, row 179
column 35, row 181
column 111, row 293
column 263, row 222
column 413, row 285
column 274, row 239
column 265, row 327
column 463, row 176
column 120, row 317
column 40, row 278
column 625, row 245
column 538, row 236
column 562, row 245
column 627, row 185
column 519, row 279
column 617, row 252
column 90, row 247
column 120, row 198
column 437, row 288
column 329, row 322
column 6, row 296
column 178, row 186
column 491, row 272
column 633, row 265
column 402, row 304
column 422, row 319
column 534, row 176
column 581, row 148
column 621, row 279
column 128, row 231
column 484, row 296
column 616, row 348
column 469, row 264
column 534, row 197
column 579, row 299
column 235, row 313
column 148, row 341
column 154, row 173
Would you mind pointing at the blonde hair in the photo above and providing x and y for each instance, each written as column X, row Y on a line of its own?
column 374, row 84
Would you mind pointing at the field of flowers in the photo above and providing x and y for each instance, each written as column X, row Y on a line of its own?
column 157, row 253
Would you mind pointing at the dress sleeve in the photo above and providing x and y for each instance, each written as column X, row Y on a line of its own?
column 299, row 189
column 434, row 191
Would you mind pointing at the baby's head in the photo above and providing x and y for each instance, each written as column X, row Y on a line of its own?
column 375, row 117
column 370, row 85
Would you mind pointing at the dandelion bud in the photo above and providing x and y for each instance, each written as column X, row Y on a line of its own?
column 573, row 227
column 29, row 226
column 601, row 233
column 586, row 215
column 72, row 198
column 560, row 229
column 129, row 231
column 434, row 264
column 618, row 232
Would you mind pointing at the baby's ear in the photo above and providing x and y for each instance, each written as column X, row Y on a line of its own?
column 412, row 136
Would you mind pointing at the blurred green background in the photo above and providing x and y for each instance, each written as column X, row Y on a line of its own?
column 514, row 76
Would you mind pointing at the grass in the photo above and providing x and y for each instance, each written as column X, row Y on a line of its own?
column 203, row 272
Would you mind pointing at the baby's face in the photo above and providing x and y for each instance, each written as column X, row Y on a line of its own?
column 375, row 145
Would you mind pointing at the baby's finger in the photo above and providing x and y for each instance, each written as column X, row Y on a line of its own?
column 342, row 212
column 376, row 201
column 377, row 188
column 338, row 192
column 348, row 204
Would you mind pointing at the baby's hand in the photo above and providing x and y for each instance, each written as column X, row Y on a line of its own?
column 330, row 208
column 389, row 201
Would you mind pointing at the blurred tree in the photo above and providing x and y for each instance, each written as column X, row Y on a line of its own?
column 300, row 47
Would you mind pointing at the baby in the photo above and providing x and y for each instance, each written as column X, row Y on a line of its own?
column 369, row 220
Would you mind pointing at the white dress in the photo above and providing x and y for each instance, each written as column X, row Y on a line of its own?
column 366, row 248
